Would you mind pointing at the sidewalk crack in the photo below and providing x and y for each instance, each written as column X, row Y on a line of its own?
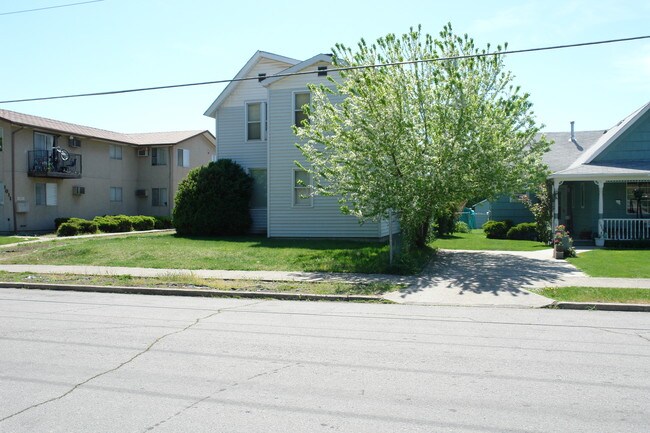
column 128, row 361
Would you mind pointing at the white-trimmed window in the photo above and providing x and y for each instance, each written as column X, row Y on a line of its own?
column 158, row 156
column 159, row 197
column 116, row 193
column 256, row 121
column 637, row 195
column 115, row 151
column 183, row 157
column 258, row 199
column 300, row 99
column 302, row 188
column 46, row 194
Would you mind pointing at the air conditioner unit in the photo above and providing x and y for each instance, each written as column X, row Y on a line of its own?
column 78, row 190
column 74, row 142
column 142, row 193
column 143, row 152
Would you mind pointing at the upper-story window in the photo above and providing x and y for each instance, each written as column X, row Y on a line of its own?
column 300, row 99
column 256, row 121
column 158, row 156
column 115, row 151
column 43, row 141
column 183, row 157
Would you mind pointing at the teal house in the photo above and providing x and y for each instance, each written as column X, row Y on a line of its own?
column 601, row 182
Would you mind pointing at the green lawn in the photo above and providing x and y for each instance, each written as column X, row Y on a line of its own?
column 476, row 240
column 614, row 263
column 236, row 253
column 597, row 294
column 4, row 240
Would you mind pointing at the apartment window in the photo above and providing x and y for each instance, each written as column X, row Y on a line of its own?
column 115, row 151
column 300, row 99
column 159, row 196
column 637, row 197
column 213, row 158
column 256, row 121
column 258, row 199
column 43, row 141
column 158, row 156
column 116, row 193
column 183, row 157
column 46, row 194
column 301, row 188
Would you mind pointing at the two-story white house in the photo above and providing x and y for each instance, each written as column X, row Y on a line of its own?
column 254, row 120
column 51, row 169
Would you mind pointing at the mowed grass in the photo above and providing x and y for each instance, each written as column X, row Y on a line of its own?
column 5, row 240
column 614, row 263
column 235, row 253
column 597, row 294
column 476, row 240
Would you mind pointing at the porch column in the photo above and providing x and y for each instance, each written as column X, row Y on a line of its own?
column 556, row 203
column 601, row 186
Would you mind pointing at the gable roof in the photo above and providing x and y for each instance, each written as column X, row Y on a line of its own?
column 243, row 73
column 327, row 58
column 564, row 152
column 610, row 136
column 150, row 138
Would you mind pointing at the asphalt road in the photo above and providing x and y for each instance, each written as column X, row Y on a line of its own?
column 87, row 362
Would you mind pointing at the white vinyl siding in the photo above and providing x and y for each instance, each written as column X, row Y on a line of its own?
column 183, row 157
column 231, row 143
column 46, row 194
column 116, row 194
column 159, row 197
column 115, row 151
column 158, row 156
column 300, row 99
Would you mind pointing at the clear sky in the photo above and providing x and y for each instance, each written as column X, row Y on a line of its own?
column 123, row 44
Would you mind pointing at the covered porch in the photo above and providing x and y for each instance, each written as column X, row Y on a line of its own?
column 600, row 208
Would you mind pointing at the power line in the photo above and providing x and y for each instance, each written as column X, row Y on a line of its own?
column 348, row 68
column 50, row 7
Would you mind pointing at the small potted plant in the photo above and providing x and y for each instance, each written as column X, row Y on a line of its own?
column 562, row 243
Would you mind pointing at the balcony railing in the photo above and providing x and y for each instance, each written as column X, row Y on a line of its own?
column 626, row 229
column 47, row 163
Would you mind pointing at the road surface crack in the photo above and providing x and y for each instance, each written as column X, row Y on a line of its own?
column 128, row 361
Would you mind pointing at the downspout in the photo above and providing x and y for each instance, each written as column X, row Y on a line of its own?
column 13, row 177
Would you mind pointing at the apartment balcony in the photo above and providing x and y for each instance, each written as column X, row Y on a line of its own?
column 47, row 163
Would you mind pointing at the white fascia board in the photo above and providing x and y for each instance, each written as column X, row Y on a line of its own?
column 298, row 67
column 243, row 72
column 612, row 135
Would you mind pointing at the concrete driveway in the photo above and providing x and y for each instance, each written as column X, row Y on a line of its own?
column 486, row 278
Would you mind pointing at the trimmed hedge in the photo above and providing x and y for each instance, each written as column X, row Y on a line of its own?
column 496, row 229
column 110, row 224
column 523, row 232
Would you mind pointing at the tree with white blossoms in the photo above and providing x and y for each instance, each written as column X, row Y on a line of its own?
column 416, row 137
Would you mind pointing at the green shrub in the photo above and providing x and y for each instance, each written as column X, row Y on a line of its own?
column 495, row 229
column 84, row 226
column 213, row 200
column 462, row 227
column 142, row 223
column 67, row 229
column 114, row 223
column 163, row 223
column 523, row 232
column 59, row 221
column 445, row 221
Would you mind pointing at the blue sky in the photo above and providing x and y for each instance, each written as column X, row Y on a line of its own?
column 122, row 44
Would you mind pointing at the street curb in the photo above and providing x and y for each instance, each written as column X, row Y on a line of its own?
column 190, row 292
column 600, row 306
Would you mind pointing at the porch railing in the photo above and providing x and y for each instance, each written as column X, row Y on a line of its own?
column 626, row 229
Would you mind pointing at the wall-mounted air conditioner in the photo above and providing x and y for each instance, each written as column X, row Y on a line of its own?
column 142, row 193
column 78, row 190
column 143, row 151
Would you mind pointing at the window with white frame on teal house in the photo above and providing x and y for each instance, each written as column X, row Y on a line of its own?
column 637, row 198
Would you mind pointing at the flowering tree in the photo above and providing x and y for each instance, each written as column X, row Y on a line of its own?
column 415, row 138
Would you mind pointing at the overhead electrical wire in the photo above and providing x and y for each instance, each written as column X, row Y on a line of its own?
column 50, row 7
column 347, row 68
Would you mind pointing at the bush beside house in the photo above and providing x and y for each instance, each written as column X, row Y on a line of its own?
column 109, row 224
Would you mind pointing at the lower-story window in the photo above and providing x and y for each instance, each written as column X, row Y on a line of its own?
column 302, row 188
column 159, row 196
column 116, row 193
column 46, row 194
column 637, row 197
